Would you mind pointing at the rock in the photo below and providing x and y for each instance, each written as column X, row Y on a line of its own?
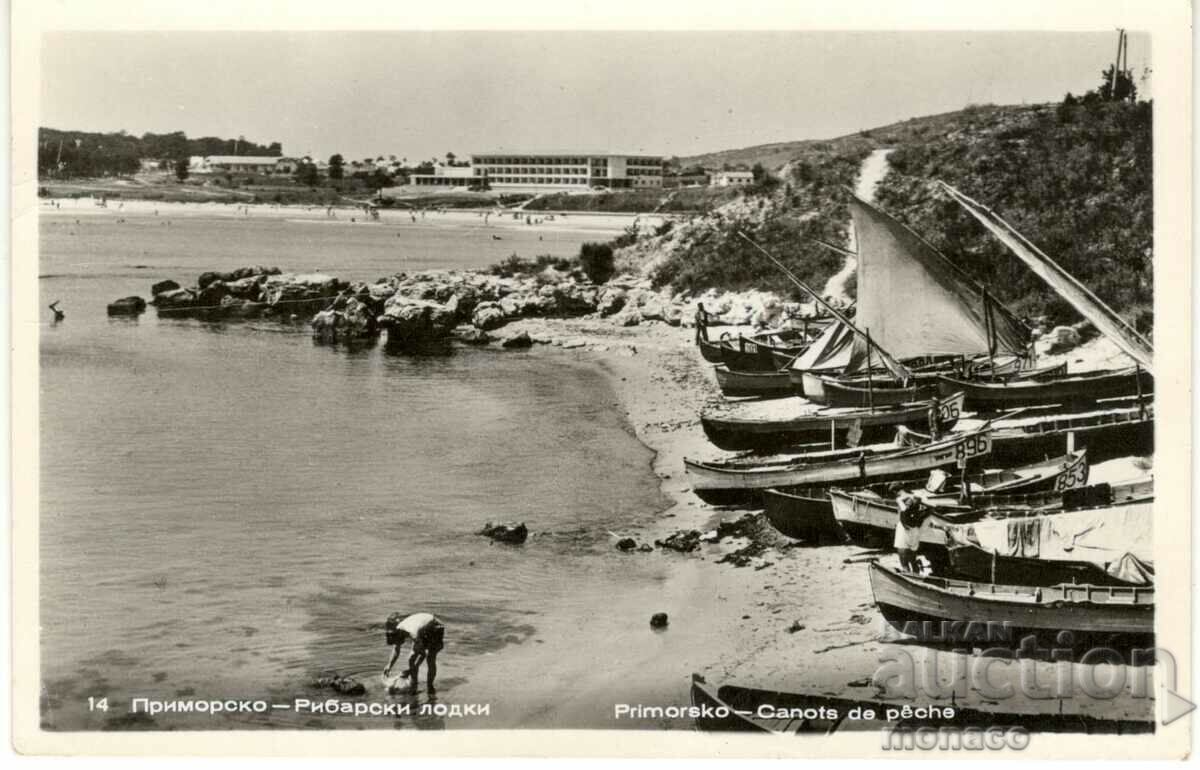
column 127, row 306
column 658, row 620
column 519, row 340
column 488, row 316
column 235, row 307
column 505, row 533
column 469, row 335
column 626, row 544
column 1062, row 339
column 211, row 294
column 411, row 322
column 675, row 315
column 646, row 548
column 684, row 541
column 610, row 300
column 630, row 316
column 795, row 626
column 651, row 307
column 164, row 286
column 206, row 278
column 571, row 344
column 345, row 685
column 710, row 537
column 175, row 300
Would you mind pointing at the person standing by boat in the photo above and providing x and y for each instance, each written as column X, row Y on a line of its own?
column 908, row 530
column 428, row 638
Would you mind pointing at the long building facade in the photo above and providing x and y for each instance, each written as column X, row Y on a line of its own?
column 554, row 171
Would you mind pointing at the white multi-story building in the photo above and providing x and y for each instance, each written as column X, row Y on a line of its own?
column 552, row 171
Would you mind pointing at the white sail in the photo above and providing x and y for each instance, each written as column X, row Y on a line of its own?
column 915, row 302
column 1088, row 304
column 830, row 351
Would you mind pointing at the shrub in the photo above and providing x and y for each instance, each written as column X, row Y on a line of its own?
column 596, row 259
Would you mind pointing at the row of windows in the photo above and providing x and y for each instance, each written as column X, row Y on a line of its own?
column 560, row 170
column 488, row 160
column 580, row 180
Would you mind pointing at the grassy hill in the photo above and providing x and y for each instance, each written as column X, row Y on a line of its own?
column 1075, row 179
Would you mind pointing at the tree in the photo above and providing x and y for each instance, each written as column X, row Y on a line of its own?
column 181, row 169
column 596, row 259
column 306, row 174
column 450, row 158
column 336, row 163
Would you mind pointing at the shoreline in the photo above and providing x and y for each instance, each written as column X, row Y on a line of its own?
column 796, row 618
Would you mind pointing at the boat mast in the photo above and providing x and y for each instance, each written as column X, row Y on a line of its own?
column 897, row 369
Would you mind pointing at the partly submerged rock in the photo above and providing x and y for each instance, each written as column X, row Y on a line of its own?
column 518, row 340
column 344, row 685
column 488, row 316
column 658, row 620
column 127, row 306
column 626, row 544
column 684, row 541
column 505, row 533
column 163, row 286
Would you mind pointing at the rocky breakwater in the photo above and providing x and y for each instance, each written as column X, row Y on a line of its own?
column 421, row 308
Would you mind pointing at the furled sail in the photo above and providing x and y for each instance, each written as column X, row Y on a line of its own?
column 830, row 351
column 1081, row 298
column 914, row 302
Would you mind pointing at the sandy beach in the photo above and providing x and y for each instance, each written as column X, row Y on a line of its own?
column 795, row 618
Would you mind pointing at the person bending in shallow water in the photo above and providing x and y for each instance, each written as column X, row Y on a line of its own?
column 58, row 314
column 428, row 638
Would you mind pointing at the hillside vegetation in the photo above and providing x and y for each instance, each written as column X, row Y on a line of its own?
column 1075, row 179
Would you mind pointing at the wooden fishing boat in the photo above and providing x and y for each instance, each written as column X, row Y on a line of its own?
column 807, row 513
column 758, row 353
column 1117, row 429
column 741, row 480
column 1074, row 389
column 753, row 384
column 732, row 708
column 870, row 518
column 907, row 601
column 861, row 393
column 970, row 562
column 854, row 391
column 758, row 425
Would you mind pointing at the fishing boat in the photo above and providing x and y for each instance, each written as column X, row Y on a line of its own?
column 758, row 353
column 1118, row 429
column 908, row 601
column 733, row 708
column 876, row 390
column 1100, row 534
column 807, row 513
column 1074, row 389
column 774, row 424
column 970, row 562
column 742, row 480
column 753, row 384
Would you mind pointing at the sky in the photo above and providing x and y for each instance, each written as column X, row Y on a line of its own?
column 422, row 94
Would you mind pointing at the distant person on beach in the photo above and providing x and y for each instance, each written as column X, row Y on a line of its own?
column 58, row 314
column 908, row 530
column 428, row 638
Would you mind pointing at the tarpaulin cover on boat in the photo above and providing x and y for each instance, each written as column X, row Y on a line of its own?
column 1100, row 536
column 1131, row 569
column 915, row 302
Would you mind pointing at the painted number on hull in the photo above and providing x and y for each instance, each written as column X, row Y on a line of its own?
column 973, row 446
column 1073, row 478
column 948, row 412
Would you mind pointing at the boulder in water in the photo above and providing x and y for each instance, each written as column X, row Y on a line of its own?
column 626, row 544
column 345, row 685
column 658, row 620
column 519, row 340
column 127, row 306
column 488, row 316
column 684, row 541
column 163, row 286
column 506, row 533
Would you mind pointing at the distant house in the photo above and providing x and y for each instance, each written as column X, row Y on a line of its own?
column 286, row 165
column 151, row 164
column 732, row 178
column 242, row 164
column 686, row 180
column 198, row 163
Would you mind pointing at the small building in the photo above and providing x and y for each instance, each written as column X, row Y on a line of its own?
column 199, row 164
column 242, row 164
column 732, row 178
column 447, row 176
column 286, row 165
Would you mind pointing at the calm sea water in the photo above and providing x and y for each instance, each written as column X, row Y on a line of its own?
column 229, row 510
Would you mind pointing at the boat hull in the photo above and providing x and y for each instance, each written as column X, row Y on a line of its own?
column 1072, row 389
column 750, row 384
column 849, row 393
column 907, row 602
column 734, row 432
column 727, row 483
